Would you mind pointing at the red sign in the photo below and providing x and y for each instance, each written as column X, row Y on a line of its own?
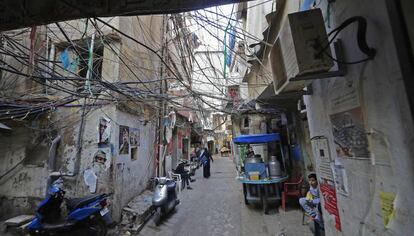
column 170, row 147
column 330, row 200
column 180, row 140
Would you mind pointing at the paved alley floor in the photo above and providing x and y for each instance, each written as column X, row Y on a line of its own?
column 215, row 206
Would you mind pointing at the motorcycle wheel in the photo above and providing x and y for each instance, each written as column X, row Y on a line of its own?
column 157, row 216
column 96, row 227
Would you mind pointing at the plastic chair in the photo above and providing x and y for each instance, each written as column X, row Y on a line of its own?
column 177, row 178
column 291, row 189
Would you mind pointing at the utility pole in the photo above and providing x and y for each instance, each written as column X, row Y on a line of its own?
column 162, row 104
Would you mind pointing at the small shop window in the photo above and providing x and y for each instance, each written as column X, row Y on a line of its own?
column 134, row 153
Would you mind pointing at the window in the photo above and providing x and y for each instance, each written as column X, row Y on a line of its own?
column 134, row 153
column 75, row 59
column 96, row 64
column 246, row 122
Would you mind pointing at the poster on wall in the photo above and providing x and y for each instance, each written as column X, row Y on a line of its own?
column 387, row 207
column 330, row 201
column 134, row 137
column 103, row 157
column 104, row 130
column 123, row 140
column 340, row 177
column 95, row 176
column 349, row 133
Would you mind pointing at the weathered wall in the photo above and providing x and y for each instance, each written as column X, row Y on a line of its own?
column 377, row 88
column 13, row 85
column 75, row 29
column 125, row 177
column 122, row 175
column 131, row 176
column 23, row 172
column 141, row 63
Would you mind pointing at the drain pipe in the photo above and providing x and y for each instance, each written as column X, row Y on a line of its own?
column 51, row 163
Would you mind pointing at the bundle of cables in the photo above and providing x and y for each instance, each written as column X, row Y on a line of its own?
column 361, row 38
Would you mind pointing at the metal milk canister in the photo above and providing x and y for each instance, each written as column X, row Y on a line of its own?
column 274, row 167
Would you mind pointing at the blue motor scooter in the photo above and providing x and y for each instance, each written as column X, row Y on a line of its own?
column 86, row 216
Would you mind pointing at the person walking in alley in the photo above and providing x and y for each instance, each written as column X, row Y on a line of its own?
column 311, row 202
column 185, row 175
column 205, row 158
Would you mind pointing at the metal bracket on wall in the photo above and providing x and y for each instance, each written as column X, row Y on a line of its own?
column 341, row 71
column 295, row 94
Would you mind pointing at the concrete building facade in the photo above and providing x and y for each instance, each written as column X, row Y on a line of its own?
column 357, row 131
column 110, row 144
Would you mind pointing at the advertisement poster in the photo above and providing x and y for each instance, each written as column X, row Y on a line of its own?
column 104, row 130
column 349, row 133
column 331, row 204
column 123, row 140
column 134, row 137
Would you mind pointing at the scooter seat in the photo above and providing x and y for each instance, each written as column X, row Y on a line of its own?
column 171, row 184
column 79, row 202
column 58, row 225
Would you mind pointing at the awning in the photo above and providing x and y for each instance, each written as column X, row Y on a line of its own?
column 269, row 94
column 256, row 138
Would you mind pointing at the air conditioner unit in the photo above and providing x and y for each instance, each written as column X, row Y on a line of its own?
column 297, row 50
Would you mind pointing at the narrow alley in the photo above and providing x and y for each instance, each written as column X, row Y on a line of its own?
column 107, row 107
column 215, row 206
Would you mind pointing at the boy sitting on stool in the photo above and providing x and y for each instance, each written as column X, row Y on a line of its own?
column 310, row 203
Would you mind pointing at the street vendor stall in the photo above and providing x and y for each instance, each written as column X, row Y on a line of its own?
column 260, row 170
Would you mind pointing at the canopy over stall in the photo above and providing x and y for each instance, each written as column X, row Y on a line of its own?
column 263, row 188
column 256, row 138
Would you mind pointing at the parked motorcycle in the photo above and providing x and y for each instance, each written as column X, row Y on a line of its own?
column 86, row 216
column 165, row 198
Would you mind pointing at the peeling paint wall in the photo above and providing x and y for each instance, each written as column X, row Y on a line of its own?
column 22, row 169
column 377, row 88
column 131, row 176
column 25, row 185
